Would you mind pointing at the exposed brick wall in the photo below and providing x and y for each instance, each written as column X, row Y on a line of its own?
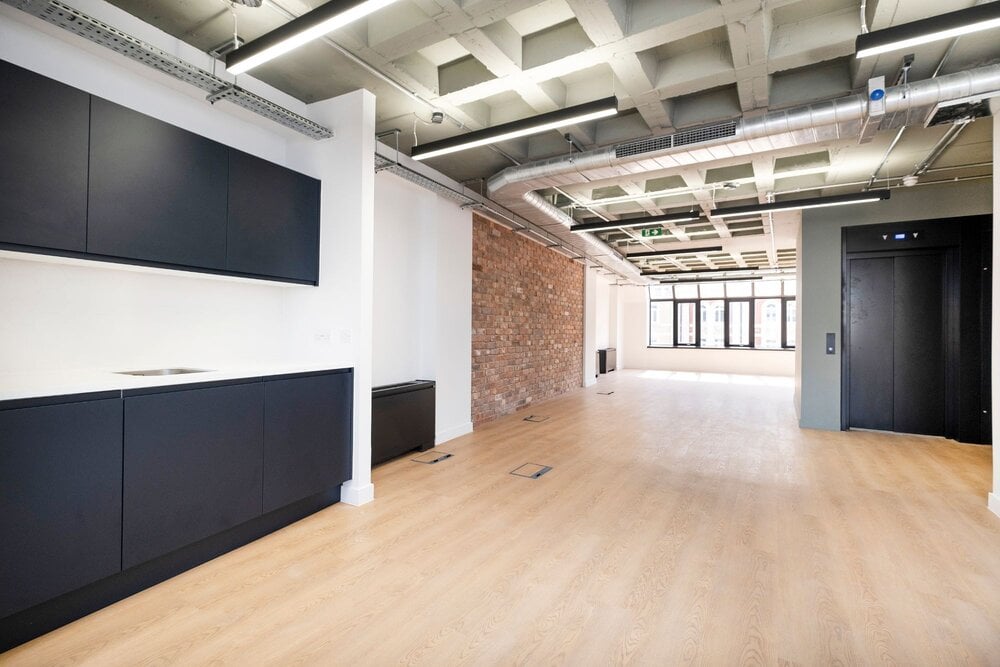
column 527, row 322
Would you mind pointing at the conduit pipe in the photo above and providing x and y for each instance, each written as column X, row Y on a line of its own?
column 907, row 104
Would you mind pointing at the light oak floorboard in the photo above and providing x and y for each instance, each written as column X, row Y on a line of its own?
column 687, row 520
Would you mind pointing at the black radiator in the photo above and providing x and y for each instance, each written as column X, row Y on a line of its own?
column 402, row 419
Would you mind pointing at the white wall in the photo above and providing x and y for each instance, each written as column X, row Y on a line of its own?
column 423, row 297
column 994, row 499
column 590, row 315
column 634, row 339
column 90, row 315
column 602, row 309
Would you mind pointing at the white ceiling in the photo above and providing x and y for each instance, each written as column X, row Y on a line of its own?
column 673, row 64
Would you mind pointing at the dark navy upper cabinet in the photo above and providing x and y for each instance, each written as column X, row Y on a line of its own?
column 60, row 499
column 44, row 128
column 192, row 468
column 307, row 436
column 273, row 220
column 157, row 192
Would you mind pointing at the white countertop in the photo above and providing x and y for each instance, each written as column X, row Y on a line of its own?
column 35, row 384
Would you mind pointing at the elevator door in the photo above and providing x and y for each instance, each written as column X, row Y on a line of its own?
column 896, row 343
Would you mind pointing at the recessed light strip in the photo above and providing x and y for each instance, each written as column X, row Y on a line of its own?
column 679, row 251
column 311, row 25
column 796, row 204
column 634, row 222
column 696, row 272
column 943, row 26
column 518, row 128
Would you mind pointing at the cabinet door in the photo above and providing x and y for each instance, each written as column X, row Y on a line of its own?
column 157, row 192
column 307, row 437
column 192, row 467
column 273, row 220
column 60, row 499
column 44, row 127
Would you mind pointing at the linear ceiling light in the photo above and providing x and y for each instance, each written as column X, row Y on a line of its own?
column 697, row 272
column 311, row 25
column 681, row 251
column 633, row 222
column 944, row 26
column 796, row 204
column 518, row 128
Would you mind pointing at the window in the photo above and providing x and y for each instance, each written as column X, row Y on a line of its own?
column 724, row 314
column 767, row 324
column 713, row 323
column 790, row 323
column 687, row 323
column 740, row 324
column 661, row 323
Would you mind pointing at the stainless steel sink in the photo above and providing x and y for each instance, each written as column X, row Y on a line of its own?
column 165, row 371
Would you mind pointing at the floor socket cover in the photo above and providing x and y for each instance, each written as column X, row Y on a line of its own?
column 535, row 418
column 530, row 470
column 432, row 457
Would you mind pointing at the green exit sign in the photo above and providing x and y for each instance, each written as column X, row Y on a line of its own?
column 657, row 231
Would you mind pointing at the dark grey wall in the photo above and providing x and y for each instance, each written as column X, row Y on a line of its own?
column 818, row 374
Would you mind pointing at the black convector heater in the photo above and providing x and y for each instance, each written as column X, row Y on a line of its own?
column 402, row 419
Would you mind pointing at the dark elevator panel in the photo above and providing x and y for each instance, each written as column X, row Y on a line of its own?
column 922, row 289
column 870, row 348
column 918, row 323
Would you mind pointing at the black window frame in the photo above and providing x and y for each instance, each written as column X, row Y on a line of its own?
column 675, row 302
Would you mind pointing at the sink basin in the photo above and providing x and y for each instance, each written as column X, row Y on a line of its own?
column 164, row 371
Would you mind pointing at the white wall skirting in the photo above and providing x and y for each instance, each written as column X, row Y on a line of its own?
column 355, row 494
column 994, row 503
column 453, row 432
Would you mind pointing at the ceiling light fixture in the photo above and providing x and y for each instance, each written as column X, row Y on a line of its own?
column 634, row 222
column 518, row 128
column 943, row 26
column 680, row 251
column 311, row 25
column 697, row 272
column 796, row 204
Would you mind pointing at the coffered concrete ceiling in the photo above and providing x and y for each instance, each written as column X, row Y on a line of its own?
column 673, row 64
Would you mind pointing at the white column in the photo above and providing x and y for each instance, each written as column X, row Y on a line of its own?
column 589, row 327
column 994, row 500
column 338, row 323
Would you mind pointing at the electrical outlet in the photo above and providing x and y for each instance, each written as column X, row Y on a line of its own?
column 345, row 336
column 323, row 336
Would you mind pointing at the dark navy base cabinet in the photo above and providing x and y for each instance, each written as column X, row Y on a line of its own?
column 307, row 435
column 60, row 499
column 103, row 495
column 193, row 467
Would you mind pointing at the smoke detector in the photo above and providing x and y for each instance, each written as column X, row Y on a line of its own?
column 910, row 180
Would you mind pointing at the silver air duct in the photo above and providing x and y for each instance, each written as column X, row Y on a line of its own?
column 907, row 104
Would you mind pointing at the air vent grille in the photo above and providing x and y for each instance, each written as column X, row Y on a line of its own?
column 644, row 146
column 707, row 133
column 684, row 138
column 89, row 28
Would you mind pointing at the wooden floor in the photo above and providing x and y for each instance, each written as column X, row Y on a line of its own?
column 686, row 520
